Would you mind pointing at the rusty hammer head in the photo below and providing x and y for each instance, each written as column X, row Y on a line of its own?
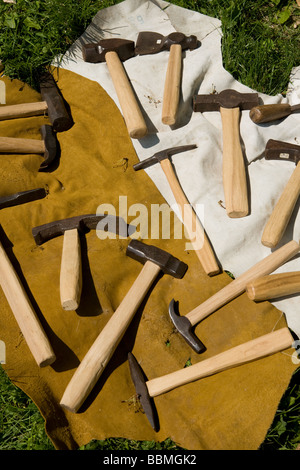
column 51, row 146
column 277, row 150
column 185, row 328
column 95, row 52
column 225, row 99
column 150, row 42
column 162, row 155
column 22, row 197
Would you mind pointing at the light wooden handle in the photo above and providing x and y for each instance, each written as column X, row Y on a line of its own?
column 274, row 286
column 269, row 112
column 234, row 172
column 238, row 285
column 132, row 114
column 98, row 356
column 258, row 348
column 24, row 314
column 172, row 85
column 23, row 110
column 282, row 211
column 16, row 145
column 71, row 271
column 192, row 224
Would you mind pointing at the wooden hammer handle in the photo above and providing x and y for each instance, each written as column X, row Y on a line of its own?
column 282, row 211
column 252, row 350
column 18, row 145
column 23, row 110
column 132, row 113
column 70, row 271
column 24, row 314
column 234, row 172
column 97, row 357
column 172, row 85
column 191, row 222
column 269, row 112
column 274, row 286
column 238, row 285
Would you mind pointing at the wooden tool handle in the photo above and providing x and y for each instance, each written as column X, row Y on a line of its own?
column 106, row 343
column 24, row 314
column 274, row 286
column 23, row 110
column 172, row 86
column 132, row 114
column 269, row 112
column 16, row 145
column 282, row 211
column 258, row 348
column 70, row 271
column 234, row 172
column 238, row 285
column 192, row 224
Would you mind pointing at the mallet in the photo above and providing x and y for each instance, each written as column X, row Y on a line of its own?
column 155, row 261
column 230, row 103
column 113, row 52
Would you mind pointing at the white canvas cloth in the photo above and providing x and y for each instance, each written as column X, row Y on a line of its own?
column 237, row 242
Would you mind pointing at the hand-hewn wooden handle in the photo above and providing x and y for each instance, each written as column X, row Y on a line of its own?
column 24, row 314
column 18, row 145
column 192, row 224
column 274, row 286
column 252, row 350
column 172, row 86
column 23, row 110
column 238, row 285
column 234, row 172
column 282, row 211
column 132, row 113
column 106, row 343
column 269, row 112
column 70, row 271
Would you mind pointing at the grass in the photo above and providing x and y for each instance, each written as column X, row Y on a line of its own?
column 260, row 46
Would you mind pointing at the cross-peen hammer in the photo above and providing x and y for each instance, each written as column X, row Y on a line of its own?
column 184, row 324
column 155, row 261
column 252, row 350
column 230, row 103
column 191, row 222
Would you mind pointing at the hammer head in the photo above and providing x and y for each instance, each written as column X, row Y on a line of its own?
column 162, row 155
column 150, row 43
column 277, row 150
column 167, row 263
column 22, row 197
column 95, row 52
column 225, row 99
column 83, row 223
column 183, row 325
column 51, row 146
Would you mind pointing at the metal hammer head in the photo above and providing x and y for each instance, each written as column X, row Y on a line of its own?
column 95, row 52
column 83, row 223
column 22, row 197
column 225, row 99
column 277, row 150
column 51, row 146
column 162, row 155
column 150, row 43
column 167, row 263
column 183, row 325
column 141, row 389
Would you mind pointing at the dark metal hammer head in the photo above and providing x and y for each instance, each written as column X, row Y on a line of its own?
column 150, row 42
column 277, row 150
column 184, row 326
column 95, row 52
column 51, row 146
column 225, row 99
column 22, row 197
column 162, row 155
column 167, row 263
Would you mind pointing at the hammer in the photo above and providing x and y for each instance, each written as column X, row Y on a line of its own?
column 272, row 112
column 230, row 103
column 52, row 103
column 155, row 261
column 48, row 146
column 191, row 222
column 150, row 43
column 71, row 270
column 113, row 52
column 281, row 214
column 22, row 197
column 263, row 346
column 265, row 266
column 274, row 286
